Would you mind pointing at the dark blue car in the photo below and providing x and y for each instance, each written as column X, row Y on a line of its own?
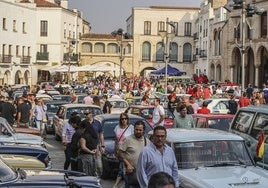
column 109, row 122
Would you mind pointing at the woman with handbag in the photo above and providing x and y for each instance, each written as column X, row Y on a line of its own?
column 122, row 131
column 40, row 116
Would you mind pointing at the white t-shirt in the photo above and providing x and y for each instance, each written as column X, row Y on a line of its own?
column 119, row 131
column 157, row 113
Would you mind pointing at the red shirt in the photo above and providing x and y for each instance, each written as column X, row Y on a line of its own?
column 243, row 101
column 203, row 110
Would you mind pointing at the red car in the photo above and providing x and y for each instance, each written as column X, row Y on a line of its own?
column 147, row 111
column 215, row 121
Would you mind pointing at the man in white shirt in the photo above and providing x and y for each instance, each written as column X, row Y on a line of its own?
column 158, row 113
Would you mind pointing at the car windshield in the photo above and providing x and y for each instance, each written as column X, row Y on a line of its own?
column 80, row 111
column 6, row 173
column 110, row 124
column 211, row 153
column 119, row 104
column 53, row 108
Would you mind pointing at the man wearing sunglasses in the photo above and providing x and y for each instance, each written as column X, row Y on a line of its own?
column 157, row 157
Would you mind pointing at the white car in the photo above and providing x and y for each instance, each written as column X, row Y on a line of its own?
column 119, row 105
column 9, row 135
column 214, row 158
column 218, row 105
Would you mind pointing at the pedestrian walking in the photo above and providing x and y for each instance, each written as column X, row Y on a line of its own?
column 204, row 109
column 155, row 157
column 40, row 116
column 129, row 152
column 24, row 112
column 158, row 113
column 107, row 105
column 8, row 111
column 183, row 120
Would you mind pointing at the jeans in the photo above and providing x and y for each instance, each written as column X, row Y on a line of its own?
column 67, row 152
column 40, row 126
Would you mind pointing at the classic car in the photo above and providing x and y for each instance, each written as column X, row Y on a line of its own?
column 119, row 105
column 36, row 151
column 147, row 111
column 215, row 121
column 249, row 122
column 214, row 158
column 8, row 134
column 109, row 122
column 40, row 178
column 64, row 112
column 22, row 161
column 218, row 105
column 52, row 108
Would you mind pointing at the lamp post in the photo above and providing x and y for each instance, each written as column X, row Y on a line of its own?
column 123, row 44
column 246, row 10
column 165, row 35
column 69, row 57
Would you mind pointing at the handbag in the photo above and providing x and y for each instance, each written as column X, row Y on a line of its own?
column 132, row 178
column 44, row 119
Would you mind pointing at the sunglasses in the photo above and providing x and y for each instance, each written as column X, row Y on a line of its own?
column 123, row 118
column 86, row 114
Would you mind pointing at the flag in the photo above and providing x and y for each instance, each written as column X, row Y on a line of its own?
column 260, row 146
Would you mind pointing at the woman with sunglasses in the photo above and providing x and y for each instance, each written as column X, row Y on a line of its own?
column 122, row 130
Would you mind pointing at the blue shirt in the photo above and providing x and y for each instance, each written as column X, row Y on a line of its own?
column 152, row 161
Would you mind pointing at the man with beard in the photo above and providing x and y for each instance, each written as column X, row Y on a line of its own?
column 129, row 153
column 155, row 157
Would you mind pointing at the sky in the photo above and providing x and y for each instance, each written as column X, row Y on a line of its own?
column 106, row 16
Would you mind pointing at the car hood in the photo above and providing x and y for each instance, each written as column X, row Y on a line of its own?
column 222, row 177
column 29, row 139
column 55, row 178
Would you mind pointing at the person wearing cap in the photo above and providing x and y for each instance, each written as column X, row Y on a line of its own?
column 204, row 109
column 66, row 137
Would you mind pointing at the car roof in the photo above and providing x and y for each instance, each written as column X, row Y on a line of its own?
column 141, row 106
column 252, row 108
column 56, row 102
column 199, row 134
column 216, row 115
column 79, row 105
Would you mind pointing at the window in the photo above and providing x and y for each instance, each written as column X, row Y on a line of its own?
column 29, row 51
column 187, row 29
column 64, row 34
column 87, row 47
column 159, row 51
column 14, row 26
column 175, row 30
column 9, row 49
column 243, row 121
column 173, row 56
column 17, row 50
column 161, row 26
column 146, row 51
column 23, row 27
column 99, row 48
column 4, row 24
column 43, row 28
column 112, row 48
column 23, row 50
column 187, row 52
column 264, row 25
column 260, row 124
column 147, row 28
column 43, row 48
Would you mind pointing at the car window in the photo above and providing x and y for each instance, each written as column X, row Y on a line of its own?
column 242, row 121
column 53, row 107
column 80, row 111
column 6, row 173
column 260, row 125
column 205, row 153
column 135, row 111
column 220, row 123
column 222, row 105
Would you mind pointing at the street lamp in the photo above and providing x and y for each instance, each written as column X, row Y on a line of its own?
column 247, row 10
column 123, row 44
column 69, row 57
column 166, row 35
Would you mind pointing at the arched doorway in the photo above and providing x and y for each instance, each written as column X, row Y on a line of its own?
column 263, row 69
column 250, row 70
column 18, row 77
column 7, row 77
column 236, row 63
column 218, row 72
column 146, row 71
column 26, row 77
column 212, row 72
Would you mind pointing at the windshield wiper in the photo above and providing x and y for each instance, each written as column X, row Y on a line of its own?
column 241, row 163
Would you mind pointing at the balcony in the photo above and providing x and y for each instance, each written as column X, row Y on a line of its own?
column 25, row 60
column 43, row 56
column 70, row 57
column 6, row 58
column 203, row 53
